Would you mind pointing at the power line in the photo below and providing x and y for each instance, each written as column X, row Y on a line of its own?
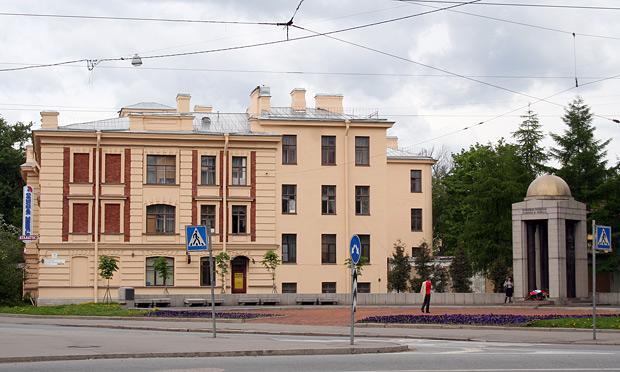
column 93, row 62
column 546, row 28
column 141, row 19
column 537, row 5
column 439, row 69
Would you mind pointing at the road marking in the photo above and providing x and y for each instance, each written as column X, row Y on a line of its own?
column 495, row 370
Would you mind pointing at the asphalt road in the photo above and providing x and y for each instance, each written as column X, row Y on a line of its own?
column 429, row 355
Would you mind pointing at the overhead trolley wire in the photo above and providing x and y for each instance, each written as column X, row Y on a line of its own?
column 531, row 5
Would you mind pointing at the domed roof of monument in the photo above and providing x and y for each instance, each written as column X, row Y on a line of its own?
column 548, row 185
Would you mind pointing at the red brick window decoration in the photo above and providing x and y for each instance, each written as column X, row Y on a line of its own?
column 81, row 167
column 112, row 168
column 112, row 219
column 80, row 218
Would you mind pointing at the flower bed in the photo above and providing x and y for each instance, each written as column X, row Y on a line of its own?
column 206, row 314
column 479, row 319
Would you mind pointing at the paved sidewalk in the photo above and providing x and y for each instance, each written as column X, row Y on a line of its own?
column 492, row 334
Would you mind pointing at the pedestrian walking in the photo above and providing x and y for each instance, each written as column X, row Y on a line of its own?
column 426, row 290
column 508, row 289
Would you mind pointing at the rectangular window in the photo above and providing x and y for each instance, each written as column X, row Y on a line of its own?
column 207, row 170
column 161, row 169
column 239, row 170
column 365, row 240
column 207, row 216
column 416, row 219
column 289, row 287
column 328, row 248
column 289, row 149
column 81, row 167
column 160, row 219
column 362, row 200
column 328, row 287
column 239, row 219
column 289, row 199
column 205, row 274
column 363, row 287
column 415, row 251
column 112, row 219
column 328, row 150
column 154, row 278
column 289, row 248
column 80, row 218
column 328, row 199
column 362, row 150
column 112, row 168
column 416, row 181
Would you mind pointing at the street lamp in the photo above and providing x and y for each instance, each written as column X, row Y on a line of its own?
column 136, row 61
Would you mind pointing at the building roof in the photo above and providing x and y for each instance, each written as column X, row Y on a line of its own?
column 287, row 113
column 148, row 106
column 548, row 185
column 402, row 154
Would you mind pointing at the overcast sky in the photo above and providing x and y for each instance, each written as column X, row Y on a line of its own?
column 533, row 61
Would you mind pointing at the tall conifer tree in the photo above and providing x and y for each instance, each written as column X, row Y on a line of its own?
column 581, row 156
column 528, row 138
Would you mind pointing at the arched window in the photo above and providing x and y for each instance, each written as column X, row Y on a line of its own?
column 160, row 219
column 155, row 279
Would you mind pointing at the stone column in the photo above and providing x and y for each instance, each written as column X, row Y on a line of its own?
column 519, row 260
column 557, row 258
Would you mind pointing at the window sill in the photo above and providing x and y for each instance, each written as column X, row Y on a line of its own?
column 112, row 233
column 289, row 263
column 290, row 214
column 79, row 233
column 239, row 234
column 161, row 234
column 289, row 163
column 161, row 184
column 239, row 186
column 362, row 214
column 112, row 183
column 328, row 263
column 328, row 214
column 362, row 165
column 329, row 165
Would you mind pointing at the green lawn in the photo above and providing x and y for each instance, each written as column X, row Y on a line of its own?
column 81, row 309
column 601, row 322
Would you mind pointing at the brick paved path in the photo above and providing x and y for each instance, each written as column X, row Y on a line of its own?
column 340, row 315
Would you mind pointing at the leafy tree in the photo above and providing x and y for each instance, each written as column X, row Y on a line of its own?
column 423, row 264
column 13, row 139
column 162, row 269
column 608, row 213
column 481, row 187
column 107, row 267
column 581, row 156
column 11, row 256
column 441, row 278
column 498, row 272
column 222, row 262
column 400, row 272
column 460, row 271
column 271, row 261
column 528, row 138
column 360, row 265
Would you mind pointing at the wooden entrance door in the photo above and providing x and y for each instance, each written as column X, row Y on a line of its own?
column 239, row 274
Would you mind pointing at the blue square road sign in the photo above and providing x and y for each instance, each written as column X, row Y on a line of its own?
column 196, row 238
column 603, row 238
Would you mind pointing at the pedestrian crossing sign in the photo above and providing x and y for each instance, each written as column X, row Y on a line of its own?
column 196, row 238
column 603, row 238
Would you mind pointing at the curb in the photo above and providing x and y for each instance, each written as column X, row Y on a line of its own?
column 481, row 327
column 210, row 354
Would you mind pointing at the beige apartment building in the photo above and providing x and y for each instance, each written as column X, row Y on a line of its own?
column 297, row 180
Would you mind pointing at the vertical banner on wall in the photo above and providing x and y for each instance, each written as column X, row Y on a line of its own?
column 27, row 215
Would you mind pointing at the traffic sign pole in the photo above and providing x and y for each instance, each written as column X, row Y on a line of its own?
column 352, row 303
column 355, row 253
column 594, row 247
column 212, row 275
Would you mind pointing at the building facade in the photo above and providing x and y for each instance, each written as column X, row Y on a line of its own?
column 296, row 180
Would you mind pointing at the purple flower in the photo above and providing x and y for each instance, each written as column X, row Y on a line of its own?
column 475, row 319
column 206, row 314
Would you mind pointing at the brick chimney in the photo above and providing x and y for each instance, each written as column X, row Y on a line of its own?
column 260, row 100
column 49, row 119
column 200, row 108
column 298, row 99
column 329, row 102
column 183, row 102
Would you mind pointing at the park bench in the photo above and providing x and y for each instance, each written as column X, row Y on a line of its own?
column 330, row 299
column 161, row 302
column 269, row 301
column 217, row 301
column 143, row 302
column 248, row 300
column 305, row 299
column 194, row 301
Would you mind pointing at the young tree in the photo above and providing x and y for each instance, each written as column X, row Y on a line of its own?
column 107, row 267
column 162, row 269
column 13, row 139
column 441, row 278
column 271, row 261
column 360, row 265
column 222, row 262
column 498, row 272
column 460, row 271
column 398, row 275
column 528, row 138
column 423, row 264
column 581, row 156
column 11, row 256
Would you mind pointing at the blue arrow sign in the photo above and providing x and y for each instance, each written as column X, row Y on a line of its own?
column 196, row 238
column 603, row 238
column 355, row 248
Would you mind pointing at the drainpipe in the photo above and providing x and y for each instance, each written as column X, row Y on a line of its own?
column 224, row 227
column 347, row 124
column 96, row 230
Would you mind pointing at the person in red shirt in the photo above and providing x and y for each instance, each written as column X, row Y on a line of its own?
column 426, row 290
